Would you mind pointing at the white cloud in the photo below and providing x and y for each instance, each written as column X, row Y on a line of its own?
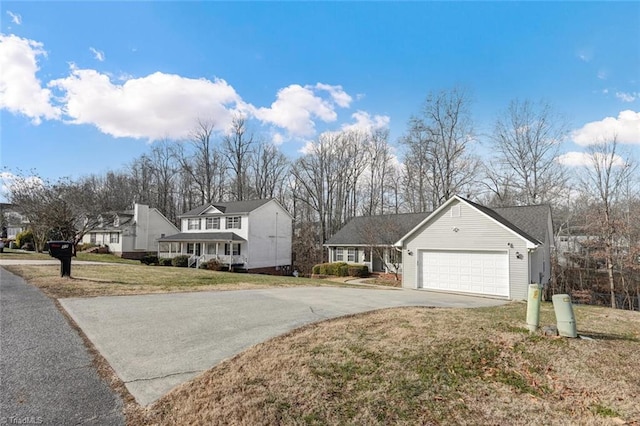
column 20, row 89
column 152, row 107
column 627, row 97
column 277, row 139
column 15, row 17
column 158, row 105
column 626, row 127
column 365, row 122
column 338, row 95
column 603, row 74
column 98, row 54
column 581, row 159
column 296, row 107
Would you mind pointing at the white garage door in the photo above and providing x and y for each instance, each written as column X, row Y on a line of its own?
column 466, row 271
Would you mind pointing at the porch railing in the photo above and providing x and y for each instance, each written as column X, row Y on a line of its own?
column 197, row 260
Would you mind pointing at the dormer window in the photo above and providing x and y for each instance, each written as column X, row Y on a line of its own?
column 116, row 221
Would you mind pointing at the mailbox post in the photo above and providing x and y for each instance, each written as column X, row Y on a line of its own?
column 63, row 251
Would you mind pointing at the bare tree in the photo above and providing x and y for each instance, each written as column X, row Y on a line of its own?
column 204, row 167
column 526, row 141
column 438, row 157
column 164, row 168
column 237, row 147
column 63, row 210
column 379, row 167
column 326, row 178
column 379, row 233
column 268, row 168
column 604, row 179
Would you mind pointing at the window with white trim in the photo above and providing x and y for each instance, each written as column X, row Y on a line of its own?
column 233, row 222
column 338, row 255
column 193, row 224
column 212, row 223
column 351, row 254
column 114, row 238
column 92, row 238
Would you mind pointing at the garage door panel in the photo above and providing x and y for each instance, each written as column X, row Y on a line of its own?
column 465, row 271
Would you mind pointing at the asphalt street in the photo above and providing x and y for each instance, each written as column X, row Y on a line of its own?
column 156, row 342
column 46, row 373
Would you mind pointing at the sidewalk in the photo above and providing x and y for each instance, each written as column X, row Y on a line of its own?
column 46, row 373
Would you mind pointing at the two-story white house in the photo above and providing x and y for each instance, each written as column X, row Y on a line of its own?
column 132, row 233
column 252, row 235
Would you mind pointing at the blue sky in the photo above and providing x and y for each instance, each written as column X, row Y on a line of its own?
column 85, row 87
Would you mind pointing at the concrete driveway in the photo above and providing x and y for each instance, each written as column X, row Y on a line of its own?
column 156, row 342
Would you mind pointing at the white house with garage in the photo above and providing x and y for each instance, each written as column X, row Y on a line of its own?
column 461, row 247
column 253, row 236
column 131, row 233
column 464, row 247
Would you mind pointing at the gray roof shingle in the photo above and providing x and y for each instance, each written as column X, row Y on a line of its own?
column 201, row 236
column 232, row 207
column 528, row 221
column 376, row 230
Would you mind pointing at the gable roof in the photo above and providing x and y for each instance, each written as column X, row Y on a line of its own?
column 528, row 222
column 531, row 219
column 232, row 207
column 376, row 230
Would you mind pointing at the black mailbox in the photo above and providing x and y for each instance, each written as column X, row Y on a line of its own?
column 63, row 251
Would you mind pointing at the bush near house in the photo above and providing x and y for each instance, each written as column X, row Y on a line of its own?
column 212, row 265
column 149, row 259
column 341, row 269
column 165, row 261
column 181, row 261
column 24, row 238
column 85, row 246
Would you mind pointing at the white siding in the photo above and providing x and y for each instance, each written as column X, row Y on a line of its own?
column 476, row 232
column 157, row 225
column 269, row 236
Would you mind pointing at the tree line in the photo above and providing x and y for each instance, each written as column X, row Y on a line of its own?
column 348, row 173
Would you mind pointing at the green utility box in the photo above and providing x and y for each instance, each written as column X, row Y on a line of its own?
column 564, row 315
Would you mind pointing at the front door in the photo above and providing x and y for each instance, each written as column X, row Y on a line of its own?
column 197, row 249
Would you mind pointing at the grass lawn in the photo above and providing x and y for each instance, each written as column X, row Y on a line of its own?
column 423, row 366
column 394, row 366
column 92, row 257
column 121, row 279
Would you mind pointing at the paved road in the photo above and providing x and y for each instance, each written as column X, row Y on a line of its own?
column 46, row 373
column 156, row 342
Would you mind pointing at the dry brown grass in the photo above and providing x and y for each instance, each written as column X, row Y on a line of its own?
column 121, row 279
column 423, row 366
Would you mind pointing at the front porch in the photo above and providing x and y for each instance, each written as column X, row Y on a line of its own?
column 227, row 252
column 382, row 259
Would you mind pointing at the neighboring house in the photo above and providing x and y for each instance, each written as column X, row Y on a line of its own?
column 461, row 247
column 133, row 233
column 13, row 222
column 250, row 235
column 369, row 240
column 468, row 248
